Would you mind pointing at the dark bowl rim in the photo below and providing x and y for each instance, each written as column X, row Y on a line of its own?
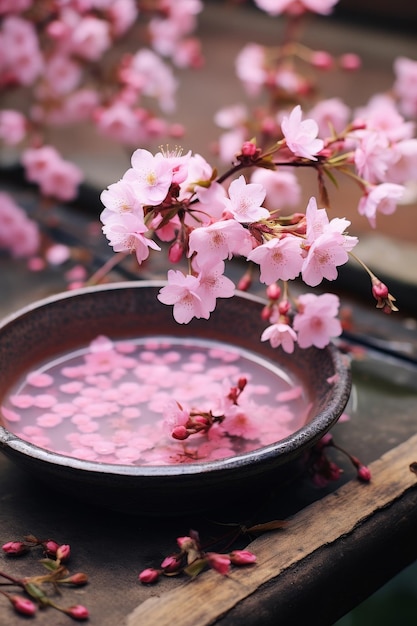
column 278, row 452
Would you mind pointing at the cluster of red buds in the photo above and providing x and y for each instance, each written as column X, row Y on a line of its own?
column 323, row 470
column 191, row 559
column 200, row 422
column 33, row 594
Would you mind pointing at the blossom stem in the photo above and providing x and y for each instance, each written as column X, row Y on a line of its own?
column 102, row 272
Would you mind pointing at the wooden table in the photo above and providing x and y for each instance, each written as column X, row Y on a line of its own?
column 341, row 542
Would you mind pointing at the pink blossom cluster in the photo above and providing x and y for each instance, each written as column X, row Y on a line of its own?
column 59, row 55
column 19, row 235
column 177, row 198
column 59, row 52
column 375, row 144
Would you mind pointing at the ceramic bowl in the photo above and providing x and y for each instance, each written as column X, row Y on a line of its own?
column 67, row 321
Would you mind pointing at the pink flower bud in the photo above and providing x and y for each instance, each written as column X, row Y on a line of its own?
column 63, row 552
column 22, row 605
column 364, row 474
column 175, row 252
column 149, row 576
column 266, row 313
column 50, row 546
column 199, row 421
column 176, row 130
column 249, row 148
column 180, row 433
column 244, row 283
column 78, row 611
column 15, row 548
column 350, row 61
column 322, row 60
column 273, row 291
column 284, row 307
column 242, row 557
column 219, row 562
column 186, row 543
column 242, row 382
column 379, row 290
column 78, row 579
column 171, row 564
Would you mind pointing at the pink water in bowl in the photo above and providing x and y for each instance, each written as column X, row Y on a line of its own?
column 117, row 401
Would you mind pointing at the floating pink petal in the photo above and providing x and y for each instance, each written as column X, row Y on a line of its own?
column 39, row 379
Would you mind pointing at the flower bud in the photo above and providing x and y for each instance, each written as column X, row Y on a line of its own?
column 186, row 543
column 180, row 433
column 176, row 252
column 242, row 557
column 219, row 562
column 149, row 576
column 273, row 291
column 63, row 552
column 171, row 564
column 79, row 579
column 50, row 546
column 242, row 382
column 22, row 605
column 350, row 61
column 245, row 282
column 283, row 307
column 249, row 148
column 364, row 473
column 322, row 60
column 379, row 290
column 15, row 548
column 266, row 313
column 78, row 611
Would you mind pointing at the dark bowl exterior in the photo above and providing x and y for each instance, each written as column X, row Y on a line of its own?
column 70, row 320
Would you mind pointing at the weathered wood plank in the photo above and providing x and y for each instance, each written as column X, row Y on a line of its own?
column 202, row 601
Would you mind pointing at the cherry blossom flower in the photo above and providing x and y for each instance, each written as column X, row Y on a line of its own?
column 154, row 78
column 327, row 245
column 373, row 156
column 19, row 235
column 217, row 242
column 332, row 115
column 381, row 115
column 20, row 46
column 12, row 126
column 213, row 284
column 183, row 292
column 90, row 38
column 281, row 186
column 151, row 176
column 324, row 255
column 405, row 86
column 126, row 233
column 55, row 176
column 279, row 259
column 280, row 334
column 316, row 322
column 120, row 198
column 405, row 164
column 250, row 68
column 381, row 198
column 301, row 135
column 122, row 14
column 245, row 200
